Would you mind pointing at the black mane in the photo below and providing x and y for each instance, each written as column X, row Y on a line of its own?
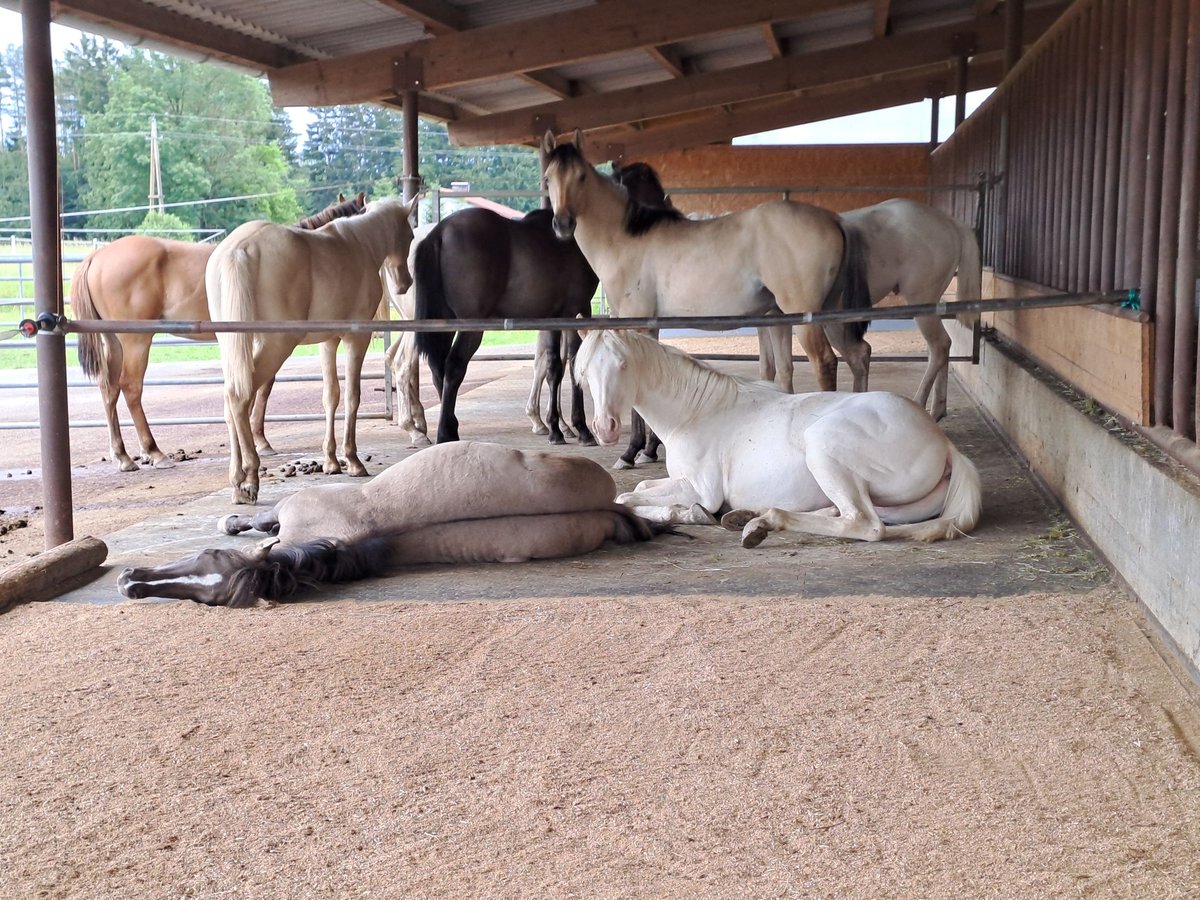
column 639, row 219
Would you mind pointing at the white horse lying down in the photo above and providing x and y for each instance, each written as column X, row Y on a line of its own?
column 456, row 502
column 867, row 466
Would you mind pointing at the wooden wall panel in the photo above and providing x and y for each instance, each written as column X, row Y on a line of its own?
column 888, row 165
column 1106, row 357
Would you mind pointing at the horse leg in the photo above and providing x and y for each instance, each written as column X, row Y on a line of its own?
column 820, row 355
column 330, row 397
column 258, row 417
column 650, row 453
column 937, row 371
column 135, row 359
column 464, row 347
column 244, row 461
column 573, row 340
column 670, row 501
column 766, row 355
column 110, row 391
column 779, row 338
column 857, row 518
column 637, row 441
column 554, row 377
column 568, row 351
column 356, row 351
column 541, row 364
column 854, row 350
column 267, row 522
column 406, row 375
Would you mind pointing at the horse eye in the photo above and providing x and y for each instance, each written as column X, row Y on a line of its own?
column 582, row 176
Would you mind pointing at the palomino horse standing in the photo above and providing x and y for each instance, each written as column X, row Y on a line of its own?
column 264, row 272
column 141, row 277
column 790, row 256
column 477, row 264
column 915, row 251
column 866, row 466
column 457, row 502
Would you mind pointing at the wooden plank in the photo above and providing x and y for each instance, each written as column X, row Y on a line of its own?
column 435, row 15
column 872, row 58
column 1106, row 357
column 544, row 42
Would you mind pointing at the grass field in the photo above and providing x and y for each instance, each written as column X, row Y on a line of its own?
column 16, row 280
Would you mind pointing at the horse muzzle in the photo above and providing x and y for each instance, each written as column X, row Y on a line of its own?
column 564, row 227
column 607, row 429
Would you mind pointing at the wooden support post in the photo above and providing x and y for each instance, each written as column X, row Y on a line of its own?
column 42, row 142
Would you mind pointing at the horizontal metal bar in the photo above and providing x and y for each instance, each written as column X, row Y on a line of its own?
column 199, row 420
column 943, row 309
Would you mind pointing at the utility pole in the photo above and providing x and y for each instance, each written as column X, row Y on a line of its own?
column 156, row 189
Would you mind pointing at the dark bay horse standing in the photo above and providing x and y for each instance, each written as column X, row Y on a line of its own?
column 477, row 264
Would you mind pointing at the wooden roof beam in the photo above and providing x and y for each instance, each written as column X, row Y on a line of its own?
column 751, row 118
column 881, row 17
column 617, row 26
column 437, row 16
column 186, row 33
column 771, row 39
column 878, row 56
column 669, row 59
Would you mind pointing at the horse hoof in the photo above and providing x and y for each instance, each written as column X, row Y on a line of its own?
column 622, row 464
column 164, row 463
column 540, row 429
column 359, row 471
column 129, row 466
column 698, row 515
column 587, row 441
column 644, row 457
column 557, row 439
column 224, row 525
column 245, row 497
column 331, row 469
column 736, row 519
column 753, row 535
column 419, row 440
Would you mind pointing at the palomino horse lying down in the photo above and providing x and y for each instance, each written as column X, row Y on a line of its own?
column 867, row 466
column 455, row 502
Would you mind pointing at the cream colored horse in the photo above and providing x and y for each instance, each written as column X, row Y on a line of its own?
column 865, row 466
column 914, row 251
column 790, row 256
column 267, row 272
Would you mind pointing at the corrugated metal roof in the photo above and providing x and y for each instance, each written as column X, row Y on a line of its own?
column 495, row 59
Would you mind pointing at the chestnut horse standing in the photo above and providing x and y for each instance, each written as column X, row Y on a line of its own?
column 141, row 277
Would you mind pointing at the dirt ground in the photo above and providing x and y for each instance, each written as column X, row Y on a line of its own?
column 987, row 717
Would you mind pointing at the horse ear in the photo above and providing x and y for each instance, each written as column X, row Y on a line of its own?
column 579, row 138
column 341, row 197
column 412, row 204
column 362, row 198
column 548, row 141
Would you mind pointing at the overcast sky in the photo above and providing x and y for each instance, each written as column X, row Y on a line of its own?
column 901, row 124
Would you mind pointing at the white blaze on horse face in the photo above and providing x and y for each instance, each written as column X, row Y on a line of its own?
column 606, row 381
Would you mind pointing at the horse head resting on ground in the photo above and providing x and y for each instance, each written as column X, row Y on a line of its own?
column 456, row 502
column 265, row 272
column 866, row 466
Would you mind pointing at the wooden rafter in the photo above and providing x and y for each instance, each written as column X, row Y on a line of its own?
column 771, row 39
column 544, row 42
column 878, row 58
column 437, row 16
column 764, row 115
column 881, row 15
column 182, row 31
column 669, row 59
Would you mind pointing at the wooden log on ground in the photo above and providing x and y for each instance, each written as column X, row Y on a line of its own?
column 51, row 573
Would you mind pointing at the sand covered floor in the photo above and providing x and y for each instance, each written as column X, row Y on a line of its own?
column 1028, row 746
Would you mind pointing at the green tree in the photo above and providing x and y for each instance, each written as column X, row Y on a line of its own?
column 214, row 127
column 165, row 225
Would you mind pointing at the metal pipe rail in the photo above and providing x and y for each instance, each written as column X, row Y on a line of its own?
column 942, row 309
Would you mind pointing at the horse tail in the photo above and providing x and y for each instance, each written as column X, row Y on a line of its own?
column 235, row 303
column 430, row 291
column 970, row 272
column 91, row 346
column 284, row 570
column 964, row 498
column 850, row 286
